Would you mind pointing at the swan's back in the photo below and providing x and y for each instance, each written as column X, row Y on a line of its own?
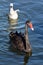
column 18, row 41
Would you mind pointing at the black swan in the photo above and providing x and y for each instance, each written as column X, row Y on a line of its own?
column 20, row 41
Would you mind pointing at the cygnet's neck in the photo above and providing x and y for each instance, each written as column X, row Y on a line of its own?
column 11, row 10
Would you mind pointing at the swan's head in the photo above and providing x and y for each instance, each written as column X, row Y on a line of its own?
column 11, row 5
column 30, row 25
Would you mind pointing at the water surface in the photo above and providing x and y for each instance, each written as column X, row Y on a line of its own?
column 29, row 9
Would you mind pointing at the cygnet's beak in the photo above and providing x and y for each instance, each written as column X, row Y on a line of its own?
column 31, row 26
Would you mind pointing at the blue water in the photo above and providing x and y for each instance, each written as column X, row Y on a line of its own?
column 29, row 9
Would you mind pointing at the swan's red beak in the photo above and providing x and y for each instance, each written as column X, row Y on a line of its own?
column 31, row 26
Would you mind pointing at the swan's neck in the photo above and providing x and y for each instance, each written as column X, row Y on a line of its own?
column 28, row 47
column 26, row 33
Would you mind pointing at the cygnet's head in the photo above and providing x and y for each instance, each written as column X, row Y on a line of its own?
column 11, row 4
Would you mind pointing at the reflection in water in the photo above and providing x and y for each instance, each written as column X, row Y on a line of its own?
column 12, row 24
column 26, row 55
